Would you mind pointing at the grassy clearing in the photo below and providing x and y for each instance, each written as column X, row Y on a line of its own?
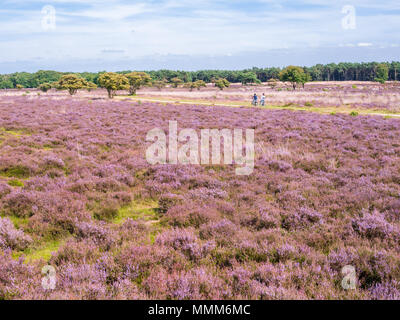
column 146, row 210
column 15, row 183
column 41, row 252
column 8, row 133
column 19, row 171
column 17, row 221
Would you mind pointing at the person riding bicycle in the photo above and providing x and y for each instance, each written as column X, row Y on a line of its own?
column 262, row 101
column 255, row 100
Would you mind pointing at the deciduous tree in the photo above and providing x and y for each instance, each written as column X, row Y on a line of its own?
column 137, row 80
column 159, row 84
column 248, row 77
column 294, row 75
column 45, row 87
column 222, row 84
column 112, row 82
column 382, row 73
column 72, row 83
column 176, row 82
column 199, row 84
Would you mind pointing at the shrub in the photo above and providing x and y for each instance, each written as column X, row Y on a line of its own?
column 261, row 220
column 222, row 229
column 44, row 87
column 168, row 201
column 106, row 212
column 389, row 290
column 73, row 83
column 303, row 218
column 19, row 203
column 99, row 234
column 373, row 225
column 222, row 84
column 4, row 190
column 53, row 162
column 113, row 82
column 11, row 237
column 190, row 215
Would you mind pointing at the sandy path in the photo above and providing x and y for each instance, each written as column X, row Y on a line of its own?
column 243, row 105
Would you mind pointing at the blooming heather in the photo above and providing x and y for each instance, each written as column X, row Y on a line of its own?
column 77, row 193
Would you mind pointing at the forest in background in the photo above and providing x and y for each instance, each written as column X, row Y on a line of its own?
column 319, row 72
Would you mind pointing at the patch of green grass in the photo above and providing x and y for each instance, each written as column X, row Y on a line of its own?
column 157, row 229
column 49, row 146
column 18, row 171
column 106, row 213
column 269, row 198
column 17, row 221
column 290, row 104
column 104, row 148
column 354, row 113
column 146, row 210
column 15, row 132
column 141, row 174
column 41, row 252
column 15, row 183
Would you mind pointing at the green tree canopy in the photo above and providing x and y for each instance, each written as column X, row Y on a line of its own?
column 137, row 80
column 72, row 83
column 305, row 78
column 190, row 85
column 176, row 82
column 222, row 83
column 195, row 85
column 45, row 87
column 91, row 86
column 248, row 77
column 112, row 82
column 382, row 73
column 159, row 84
column 294, row 75
column 199, row 84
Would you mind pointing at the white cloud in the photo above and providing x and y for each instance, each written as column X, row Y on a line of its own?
column 87, row 27
column 364, row 44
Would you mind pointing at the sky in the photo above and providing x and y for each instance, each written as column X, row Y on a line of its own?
column 113, row 35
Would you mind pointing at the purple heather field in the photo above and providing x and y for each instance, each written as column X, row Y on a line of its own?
column 77, row 193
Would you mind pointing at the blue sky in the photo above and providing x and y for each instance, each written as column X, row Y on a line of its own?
column 94, row 35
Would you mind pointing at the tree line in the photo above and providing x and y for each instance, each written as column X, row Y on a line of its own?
column 330, row 72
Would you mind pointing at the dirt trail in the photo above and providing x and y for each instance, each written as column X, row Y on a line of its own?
column 211, row 104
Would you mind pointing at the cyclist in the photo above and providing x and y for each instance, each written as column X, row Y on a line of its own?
column 255, row 100
column 262, row 101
